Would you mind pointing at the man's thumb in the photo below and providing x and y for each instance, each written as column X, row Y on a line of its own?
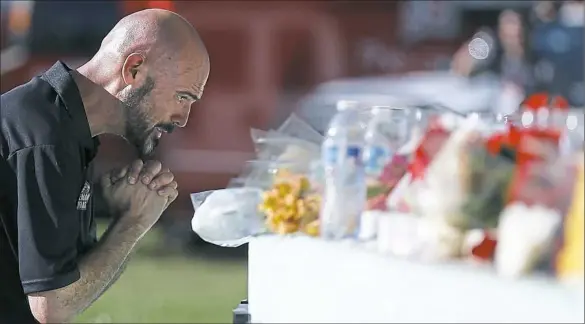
column 113, row 176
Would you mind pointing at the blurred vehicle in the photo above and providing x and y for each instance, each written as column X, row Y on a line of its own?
column 412, row 89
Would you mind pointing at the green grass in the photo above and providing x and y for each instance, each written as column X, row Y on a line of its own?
column 171, row 289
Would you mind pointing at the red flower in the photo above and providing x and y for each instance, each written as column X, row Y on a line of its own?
column 543, row 99
column 429, row 146
column 524, row 139
column 486, row 248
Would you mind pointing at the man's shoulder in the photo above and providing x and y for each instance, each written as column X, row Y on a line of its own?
column 31, row 115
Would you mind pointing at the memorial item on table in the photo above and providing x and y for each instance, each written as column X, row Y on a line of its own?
column 227, row 217
column 344, row 185
column 480, row 245
column 378, row 191
column 230, row 217
column 429, row 146
column 569, row 263
column 289, row 202
column 486, row 178
column 498, row 172
column 380, row 188
column 529, row 225
column 402, row 132
column 277, row 149
column 540, row 189
column 525, row 233
column 296, row 127
column 294, row 141
column 534, row 134
column 386, row 133
column 437, row 192
column 441, row 191
column 290, row 206
column 435, row 130
column 275, row 146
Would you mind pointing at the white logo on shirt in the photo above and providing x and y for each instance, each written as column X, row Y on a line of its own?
column 84, row 196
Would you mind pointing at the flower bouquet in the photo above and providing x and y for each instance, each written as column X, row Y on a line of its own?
column 272, row 194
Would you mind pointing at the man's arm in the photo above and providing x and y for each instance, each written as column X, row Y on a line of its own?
column 104, row 264
column 59, row 281
column 98, row 269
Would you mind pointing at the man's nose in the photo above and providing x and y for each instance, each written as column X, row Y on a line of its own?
column 181, row 119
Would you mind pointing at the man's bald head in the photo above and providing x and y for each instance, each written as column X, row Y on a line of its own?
column 157, row 65
column 162, row 31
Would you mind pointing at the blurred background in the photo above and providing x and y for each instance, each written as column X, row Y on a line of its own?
column 271, row 58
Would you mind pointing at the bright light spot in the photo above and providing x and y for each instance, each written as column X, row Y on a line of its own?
column 527, row 119
column 478, row 48
column 572, row 122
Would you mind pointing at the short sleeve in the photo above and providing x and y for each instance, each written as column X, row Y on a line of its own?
column 49, row 182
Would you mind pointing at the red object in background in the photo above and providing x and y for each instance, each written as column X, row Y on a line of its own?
column 394, row 171
column 162, row 4
column 514, row 137
column 137, row 5
column 377, row 203
column 520, row 138
column 486, row 249
column 543, row 99
column 391, row 175
column 431, row 143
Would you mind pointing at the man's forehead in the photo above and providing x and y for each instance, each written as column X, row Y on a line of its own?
column 197, row 71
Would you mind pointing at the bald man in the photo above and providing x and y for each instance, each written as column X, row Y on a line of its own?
column 140, row 85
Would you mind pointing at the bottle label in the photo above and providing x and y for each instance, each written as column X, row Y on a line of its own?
column 352, row 154
column 330, row 155
column 375, row 159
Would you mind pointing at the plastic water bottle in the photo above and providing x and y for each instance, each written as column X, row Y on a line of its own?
column 387, row 131
column 344, row 189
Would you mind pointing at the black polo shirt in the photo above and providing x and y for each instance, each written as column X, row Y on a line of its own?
column 46, row 209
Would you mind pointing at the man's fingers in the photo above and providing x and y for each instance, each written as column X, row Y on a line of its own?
column 150, row 170
column 168, row 189
column 171, row 194
column 134, row 171
column 111, row 177
column 161, row 180
column 116, row 175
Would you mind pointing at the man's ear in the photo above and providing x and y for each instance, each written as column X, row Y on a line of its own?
column 133, row 69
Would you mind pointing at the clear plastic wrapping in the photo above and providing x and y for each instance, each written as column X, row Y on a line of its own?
column 227, row 217
column 295, row 127
column 271, row 194
column 533, row 217
column 385, row 163
column 277, row 147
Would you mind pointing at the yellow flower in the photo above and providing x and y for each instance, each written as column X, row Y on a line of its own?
column 312, row 228
column 283, row 188
column 287, row 227
column 304, row 184
column 289, row 213
column 286, row 208
column 289, row 200
column 301, row 208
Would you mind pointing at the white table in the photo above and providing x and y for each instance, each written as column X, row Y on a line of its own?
column 304, row 280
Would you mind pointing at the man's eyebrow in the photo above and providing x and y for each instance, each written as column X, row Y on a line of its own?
column 193, row 96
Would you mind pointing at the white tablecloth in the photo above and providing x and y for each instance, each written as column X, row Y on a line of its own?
column 303, row 280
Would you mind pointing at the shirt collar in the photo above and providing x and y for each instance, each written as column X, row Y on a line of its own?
column 59, row 77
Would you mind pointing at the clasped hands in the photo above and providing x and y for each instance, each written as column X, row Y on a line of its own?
column 140, row 191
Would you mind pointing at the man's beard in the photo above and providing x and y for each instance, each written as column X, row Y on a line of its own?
column 139, row 127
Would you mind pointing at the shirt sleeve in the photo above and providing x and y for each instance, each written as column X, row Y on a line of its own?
column 49, row 182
